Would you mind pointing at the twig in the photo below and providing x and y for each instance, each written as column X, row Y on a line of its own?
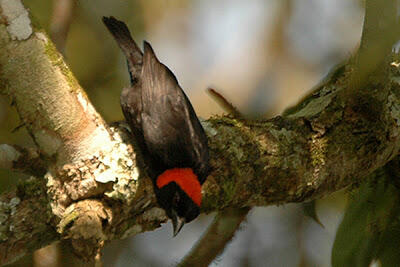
column 63, row 11
column 224, row 103
column 217, row 236
column 380, row 32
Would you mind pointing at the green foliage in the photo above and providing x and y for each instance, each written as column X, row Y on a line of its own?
column 370, row 229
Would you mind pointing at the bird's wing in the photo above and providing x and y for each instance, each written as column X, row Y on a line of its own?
column 182, row 140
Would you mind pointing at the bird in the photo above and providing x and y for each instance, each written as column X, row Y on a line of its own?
column 170, row 136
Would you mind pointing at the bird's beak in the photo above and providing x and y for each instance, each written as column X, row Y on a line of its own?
column 177, row 223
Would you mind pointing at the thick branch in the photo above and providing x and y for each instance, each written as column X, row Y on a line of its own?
column 49, row 100
column 25, row 217
column 62, row 122
column 321, row 147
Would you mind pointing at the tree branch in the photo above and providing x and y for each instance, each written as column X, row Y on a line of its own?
column 61, row 18
column 224, row 103
column 63, row 122
column 25, row 218
column 380, row 32
column 217, row 236
column 95, row 189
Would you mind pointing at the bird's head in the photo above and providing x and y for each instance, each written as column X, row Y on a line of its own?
column 179, row 194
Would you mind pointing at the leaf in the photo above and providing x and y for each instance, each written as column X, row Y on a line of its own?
column 368, row 225
column 389, row 253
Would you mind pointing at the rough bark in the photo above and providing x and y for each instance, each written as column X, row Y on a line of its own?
column 95, row 190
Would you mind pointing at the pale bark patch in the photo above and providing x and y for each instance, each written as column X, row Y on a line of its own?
column 18, row 21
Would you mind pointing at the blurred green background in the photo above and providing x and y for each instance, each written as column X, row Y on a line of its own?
column 261, row 55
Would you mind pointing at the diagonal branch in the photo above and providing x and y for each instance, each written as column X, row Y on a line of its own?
column 380, row 32
column 218, row 235
column 63, row 11
column 49, row 100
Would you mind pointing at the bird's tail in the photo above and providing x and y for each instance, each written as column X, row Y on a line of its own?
column 132, row 52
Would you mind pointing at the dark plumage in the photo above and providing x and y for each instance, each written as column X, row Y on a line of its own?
column 166, row 127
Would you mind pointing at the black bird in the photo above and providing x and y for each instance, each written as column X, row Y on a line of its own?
column 170, row 136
